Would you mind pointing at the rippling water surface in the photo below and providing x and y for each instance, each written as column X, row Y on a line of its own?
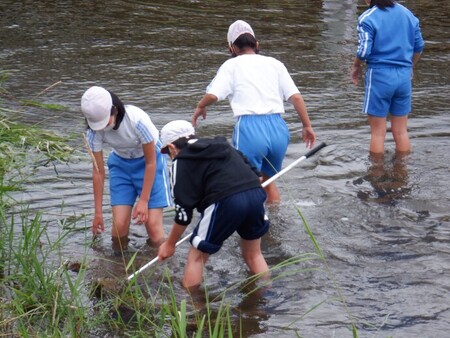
column 383, row 224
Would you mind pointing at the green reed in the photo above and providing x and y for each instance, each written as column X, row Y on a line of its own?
column 37, row 289
column 205, row 320
column 38, row 297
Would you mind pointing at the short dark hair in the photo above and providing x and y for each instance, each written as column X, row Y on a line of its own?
column 382, row 4
column 182, row 142
column 179, row 143
column 246, row 40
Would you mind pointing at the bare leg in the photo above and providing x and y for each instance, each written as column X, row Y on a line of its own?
column 154, row 226
column 377, row 134
column 121, row 220
column 400, row 170
column 251, row 252
column 120, row 226
column 273, row 194
column 193, row 272
column 399, row 126
column 377, row 167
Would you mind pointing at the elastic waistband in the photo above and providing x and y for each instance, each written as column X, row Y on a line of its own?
column 383, row 66
column 259, row 115
column 124, row 158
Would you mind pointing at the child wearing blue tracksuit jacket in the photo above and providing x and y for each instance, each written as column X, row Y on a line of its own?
column 390, row 43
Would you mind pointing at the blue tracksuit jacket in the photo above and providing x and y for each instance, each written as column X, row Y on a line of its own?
column 388, row 37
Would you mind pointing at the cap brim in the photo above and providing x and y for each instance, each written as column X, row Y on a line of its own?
column 99, row 125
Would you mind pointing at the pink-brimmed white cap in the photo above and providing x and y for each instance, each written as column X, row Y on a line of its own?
column 173, row 131
column 238, row 28
column 96, row 104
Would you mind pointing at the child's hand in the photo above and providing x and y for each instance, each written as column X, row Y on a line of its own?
column 198, row 112
column 98, row 226
column 165, row 250
column 140, row 212
column 308, row 136
column 356, row 74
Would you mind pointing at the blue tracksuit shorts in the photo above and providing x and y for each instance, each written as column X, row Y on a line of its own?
column 387, row 90
column 263, row 139
column 126, row 177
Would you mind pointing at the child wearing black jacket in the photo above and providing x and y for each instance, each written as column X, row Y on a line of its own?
column 211, row 176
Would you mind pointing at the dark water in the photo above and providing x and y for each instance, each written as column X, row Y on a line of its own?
column 383, row 224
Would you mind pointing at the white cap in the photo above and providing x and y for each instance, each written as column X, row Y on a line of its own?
column 174, row 130
column 238, row 28
column 96, row 104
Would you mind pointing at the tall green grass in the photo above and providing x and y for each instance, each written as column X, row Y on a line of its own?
column 38, row 295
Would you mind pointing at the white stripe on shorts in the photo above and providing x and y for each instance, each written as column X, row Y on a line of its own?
column 369, row 87
column 204, row 225
column 166, row 180
column 236, row 129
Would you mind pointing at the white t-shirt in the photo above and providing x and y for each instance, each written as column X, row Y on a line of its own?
column 135, row 129
column 254, row 84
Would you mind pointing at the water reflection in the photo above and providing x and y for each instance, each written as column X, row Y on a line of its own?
column 253, row 307
column 388, row 178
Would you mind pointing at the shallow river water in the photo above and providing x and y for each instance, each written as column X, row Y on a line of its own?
column 383, row 226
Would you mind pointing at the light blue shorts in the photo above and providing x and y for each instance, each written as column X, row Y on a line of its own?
column 263, row 139
column 387, row 90
column 126, row 177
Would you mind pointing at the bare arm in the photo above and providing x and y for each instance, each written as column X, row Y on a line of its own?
column 98, row 182
column 206, row 101
column 308, row 135
column 356, row 72
column 416, row 58
column 140, row 211
column 167, row 249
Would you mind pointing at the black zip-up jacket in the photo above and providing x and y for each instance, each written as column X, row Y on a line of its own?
column 206, row 171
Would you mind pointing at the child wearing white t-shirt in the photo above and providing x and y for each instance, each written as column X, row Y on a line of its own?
column 137, row 169
column 256, row 87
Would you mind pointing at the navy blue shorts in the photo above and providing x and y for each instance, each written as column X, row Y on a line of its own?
column 242, row 212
